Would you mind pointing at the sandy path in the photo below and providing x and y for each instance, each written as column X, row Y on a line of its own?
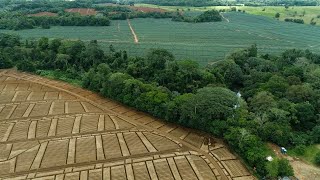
column 136, row 40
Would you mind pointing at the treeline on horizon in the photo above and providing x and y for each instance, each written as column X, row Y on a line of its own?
column 200, row 3
column 16, row 16
column 195, row 3
column 279, row 99
column 19, row 16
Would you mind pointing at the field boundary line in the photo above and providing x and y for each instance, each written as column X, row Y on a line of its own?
column 135, row 37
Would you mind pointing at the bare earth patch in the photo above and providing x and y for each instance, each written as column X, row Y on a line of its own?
column 148, row 9
column 82, row 11
column 304, row 171
column 52, row 130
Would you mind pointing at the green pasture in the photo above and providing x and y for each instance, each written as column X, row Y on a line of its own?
column 203, row 42
column 309, row 153
column 301, row 12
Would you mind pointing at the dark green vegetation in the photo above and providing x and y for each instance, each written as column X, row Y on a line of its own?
column 198, row 3
column 279, row 101
column 17, row 17
column 207, row 16
column 279, row 167
column 21, row 15
column 317, row 159
column 300, row 21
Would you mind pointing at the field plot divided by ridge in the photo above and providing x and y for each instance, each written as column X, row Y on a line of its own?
column 203, row 42
column 52, row 130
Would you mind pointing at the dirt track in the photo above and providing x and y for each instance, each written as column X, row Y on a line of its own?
column 52, row 130
column 302, row 170
column 135, row 37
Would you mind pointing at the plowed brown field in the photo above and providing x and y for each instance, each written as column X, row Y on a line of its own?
column 52, row 130
column 147, row 9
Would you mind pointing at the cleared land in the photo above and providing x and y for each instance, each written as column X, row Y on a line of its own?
column 147, row 9
column 52, row 130
column 203, row 42
column 82, row 11
column 302, row 12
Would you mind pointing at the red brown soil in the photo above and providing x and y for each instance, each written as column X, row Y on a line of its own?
column 44, row 14
column 148, row 9
column 82, row 11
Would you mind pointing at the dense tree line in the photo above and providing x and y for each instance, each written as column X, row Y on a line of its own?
column 279, row 99
column 70, row 19
column 195, row 3
column 32, row 7
column 207, row 16
column 19, row 15
column 299, row 21
column 199, row 3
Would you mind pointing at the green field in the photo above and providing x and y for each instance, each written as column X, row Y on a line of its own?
column 204, row 42
column 300, row 12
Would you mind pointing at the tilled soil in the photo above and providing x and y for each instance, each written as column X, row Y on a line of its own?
column 53, row 130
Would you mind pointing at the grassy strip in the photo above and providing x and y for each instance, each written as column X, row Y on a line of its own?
column 308, row 155
column 301, row 12
column 60, row 75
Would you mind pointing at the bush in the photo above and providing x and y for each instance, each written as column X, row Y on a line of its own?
column 279, row 167
column 26, row 66
column 299, row 21
column 317, row 159
column 300, row 150
column 285, row 169
column 5, row 63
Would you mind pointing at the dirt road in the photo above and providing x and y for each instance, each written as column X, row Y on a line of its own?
column 135, row 37
column 302, row 170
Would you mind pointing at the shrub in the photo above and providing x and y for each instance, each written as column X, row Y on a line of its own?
column 5, row 63
column 317, row 159
column 279, row 167
column 26, row 66
column 299, row 21
column 300, row 149
column 285, row 169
